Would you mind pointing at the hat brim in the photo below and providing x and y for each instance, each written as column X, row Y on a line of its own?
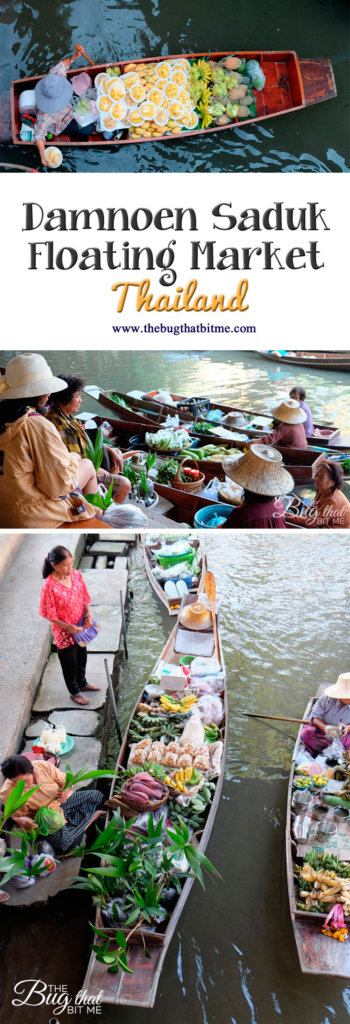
column 338, row 692
column 48, row 386
column 296, row 416
column 262, row 483
column 53, row 105
column 188, row 622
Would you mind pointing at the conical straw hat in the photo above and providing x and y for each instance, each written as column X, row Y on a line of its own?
column 289, row 411
column 195, row 616
column 261, row 471
column 341, row 689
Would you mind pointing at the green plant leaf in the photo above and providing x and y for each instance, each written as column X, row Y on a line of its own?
column 122, row 961
column 120, row 939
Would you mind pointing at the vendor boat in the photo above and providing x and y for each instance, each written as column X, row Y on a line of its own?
column 300, row 462
column 315, row 361
column 149, row 411
column 140, row 987
column 318, row 953
column 292, row 83
column 173, row 603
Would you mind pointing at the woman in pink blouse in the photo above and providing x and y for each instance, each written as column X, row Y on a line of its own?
column 65, row 601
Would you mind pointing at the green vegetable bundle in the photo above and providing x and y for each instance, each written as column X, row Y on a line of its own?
column 48, row 820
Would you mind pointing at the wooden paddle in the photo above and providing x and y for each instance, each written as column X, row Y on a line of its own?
column 275, row 718
column 210, row 590
column 89, row 59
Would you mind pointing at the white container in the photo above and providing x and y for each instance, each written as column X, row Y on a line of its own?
column 53, row 149
column 26, row 101
column 172, row 680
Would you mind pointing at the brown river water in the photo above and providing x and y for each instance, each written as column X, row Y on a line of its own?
column 233, row 958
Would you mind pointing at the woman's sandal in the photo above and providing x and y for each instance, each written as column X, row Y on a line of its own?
column 79, row 699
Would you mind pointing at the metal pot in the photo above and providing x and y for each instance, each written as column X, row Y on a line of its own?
column 319, row 811
column 341, row 814
column 325, row 830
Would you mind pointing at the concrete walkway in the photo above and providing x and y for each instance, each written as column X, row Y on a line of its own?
column 25, row 639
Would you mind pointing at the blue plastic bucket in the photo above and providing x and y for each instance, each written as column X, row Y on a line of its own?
column 204, row 515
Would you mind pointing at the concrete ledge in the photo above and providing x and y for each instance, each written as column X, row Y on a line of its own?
column 9, row 544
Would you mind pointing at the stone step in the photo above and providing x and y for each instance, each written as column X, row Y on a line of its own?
column 77, row 723
column 101, row 562
column 86, row 563
column 123, row 535
column 53, row 693
column 120, row 564
column 110, row 620
column 104, row 586
column 108, row 547
column 34, row 729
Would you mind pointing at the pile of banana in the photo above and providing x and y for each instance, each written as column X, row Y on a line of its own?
column 327, row 888
column 189, row 775
column 182, row 706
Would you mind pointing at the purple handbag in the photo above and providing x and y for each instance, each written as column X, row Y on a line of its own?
column 85, row 636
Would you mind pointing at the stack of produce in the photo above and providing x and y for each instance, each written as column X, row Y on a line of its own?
column 143, row 790
column 323, row 881
column 152, row 99
column 168, row 439
column 223, row 90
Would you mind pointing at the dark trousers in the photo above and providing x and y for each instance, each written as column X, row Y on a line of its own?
column 73, row 664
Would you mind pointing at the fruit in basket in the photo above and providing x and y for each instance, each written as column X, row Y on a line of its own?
column 104, row 104
column 131, row 79
column 164, row 69
column 155, row 96
column 119, row 111
column 147, row 110
column 137, row 93
column 135, row 117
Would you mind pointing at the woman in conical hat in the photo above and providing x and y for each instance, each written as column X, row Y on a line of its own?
column 330, row 717
column 330, row 508
column 41, row 483
column 262, row 475
column 289, row 430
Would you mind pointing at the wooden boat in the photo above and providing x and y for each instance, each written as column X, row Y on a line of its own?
column 316, row 361
column 317, row 953
column 140, row 988
column 291, row 84
column 148, row 411
column 172, row 603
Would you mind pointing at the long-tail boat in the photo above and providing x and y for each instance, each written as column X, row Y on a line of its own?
column 148, row 411
column 173, row 603
column 292, row 83
column 140, row 987
column 315, row 361
column 318, row 954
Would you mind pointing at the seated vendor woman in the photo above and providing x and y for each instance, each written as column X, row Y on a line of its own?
column 62, row 413
column 78, row 809
column 53, row 98
column 41, row 483
column 288, row 429
column 330, row 716
column 262, row 475
column 330, row 509
column 299, row 395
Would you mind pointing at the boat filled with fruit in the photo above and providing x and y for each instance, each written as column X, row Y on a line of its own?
column 165, row 97
column 175, row 567
column 318, row 855
column 162, row 804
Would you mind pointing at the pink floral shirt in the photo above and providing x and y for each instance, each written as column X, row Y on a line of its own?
column 60, row 602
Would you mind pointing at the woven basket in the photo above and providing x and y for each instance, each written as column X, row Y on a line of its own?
column 141, row 807
column 193, row 485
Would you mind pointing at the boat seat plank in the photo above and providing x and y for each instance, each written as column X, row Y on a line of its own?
column 189, row 641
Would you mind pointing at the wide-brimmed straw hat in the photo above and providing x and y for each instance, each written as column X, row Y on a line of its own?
column 289, row 411
column 29, row 376
column 260, row 470
column 341, row 689
column 234, row 419
column 195, row 616
column 53, row 93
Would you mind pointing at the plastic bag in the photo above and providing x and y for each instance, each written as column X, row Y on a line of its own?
column 205, row 667
column 211, row 709
column 211, row 490
column 127, row 515
column 48, row 820
column 84, row 108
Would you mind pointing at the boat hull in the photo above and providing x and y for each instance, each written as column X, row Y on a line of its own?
column 317, row 954
column 284, row 92
column 173, row 604
column 328, row 362
column 140, row 988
